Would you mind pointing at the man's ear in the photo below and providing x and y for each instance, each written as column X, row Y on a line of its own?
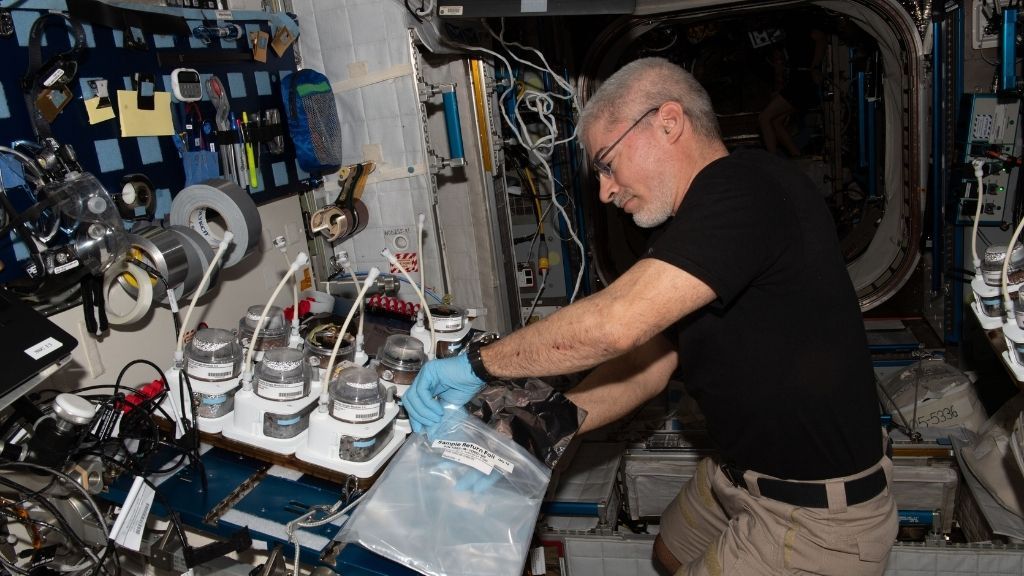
column 671, row 120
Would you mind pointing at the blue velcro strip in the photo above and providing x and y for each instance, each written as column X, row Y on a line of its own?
column 5, row 110
column 280, row 174
column 109, row 154
column 192, row 40
column 23, row 20
column 20, row 249
column 163, row 41
column 90, row 37
column 149, row 150
column 263, row 87
column 163, row 203
column 236, row 85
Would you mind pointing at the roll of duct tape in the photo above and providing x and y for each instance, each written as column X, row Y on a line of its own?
column 198, row 206
column 136, row 200
column 164, row 251
column 143, row 294
column 200, row 254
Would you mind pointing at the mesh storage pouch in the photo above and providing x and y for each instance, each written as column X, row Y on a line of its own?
column 312, row 121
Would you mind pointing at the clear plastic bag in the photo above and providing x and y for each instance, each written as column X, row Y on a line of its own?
column 463, row 501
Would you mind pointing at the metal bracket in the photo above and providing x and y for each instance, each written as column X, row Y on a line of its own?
column 347, row 215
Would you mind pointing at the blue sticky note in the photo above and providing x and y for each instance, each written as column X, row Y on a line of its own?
column 108, row 152
column 149, row 150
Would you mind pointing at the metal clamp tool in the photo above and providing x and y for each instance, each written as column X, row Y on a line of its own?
column 347, row 215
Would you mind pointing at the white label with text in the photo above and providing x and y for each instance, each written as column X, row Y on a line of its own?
column 43, row 348
column 473, row 455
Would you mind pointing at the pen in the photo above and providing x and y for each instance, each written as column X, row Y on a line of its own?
column 249, row 157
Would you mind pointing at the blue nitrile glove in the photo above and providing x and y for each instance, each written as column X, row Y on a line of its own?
column 448, row 380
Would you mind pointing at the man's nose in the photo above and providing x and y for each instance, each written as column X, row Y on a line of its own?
column 609, row 188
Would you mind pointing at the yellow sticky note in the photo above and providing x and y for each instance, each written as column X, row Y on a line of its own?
column 97, row 114
column 135, row 122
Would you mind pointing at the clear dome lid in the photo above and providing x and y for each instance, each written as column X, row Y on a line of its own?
column 274, row 324
column 356, row 395
column 402, row 352
column 214, row 346
column 281, row 365
column 996, row 253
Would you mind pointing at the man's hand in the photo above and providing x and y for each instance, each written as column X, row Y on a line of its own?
column 448, row 380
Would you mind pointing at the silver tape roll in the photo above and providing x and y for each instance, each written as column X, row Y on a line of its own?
column 200, row 254
column 143, row 295
column 198, row 206
column 164, row 251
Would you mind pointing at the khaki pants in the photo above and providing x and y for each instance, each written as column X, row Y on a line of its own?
column 715, row 528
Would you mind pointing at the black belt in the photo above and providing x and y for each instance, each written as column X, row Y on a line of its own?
column 809, row 494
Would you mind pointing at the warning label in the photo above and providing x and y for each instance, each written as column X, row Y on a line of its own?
column 409, row 260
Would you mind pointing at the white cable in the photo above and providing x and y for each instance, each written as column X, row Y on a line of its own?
column 419, row 246
column 332, row 514
column 1007, row 305
column 359, row 356
column 225, row 241
column 419, row 293
column 568, row 226
column 536, row 298
column 299, row 262
column 295, row 301
column 427, row 6
column 978, row 163
column 543, row 146
column 371, row 276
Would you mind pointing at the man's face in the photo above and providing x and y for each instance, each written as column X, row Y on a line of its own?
column 629, row 172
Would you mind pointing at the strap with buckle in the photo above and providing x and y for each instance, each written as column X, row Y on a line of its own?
column 809, row 494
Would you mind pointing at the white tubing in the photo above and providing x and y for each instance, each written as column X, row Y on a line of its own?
column 419, row 293
column 221, row 249
column 371, row 276
column 419, row 246
column 362, row 315
column 143, row 297
column 978, row 175
column 299, row 262
column 295, row 292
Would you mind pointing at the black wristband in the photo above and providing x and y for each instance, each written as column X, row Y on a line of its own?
column 476, row 361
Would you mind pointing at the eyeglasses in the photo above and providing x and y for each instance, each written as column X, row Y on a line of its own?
column 602, row 168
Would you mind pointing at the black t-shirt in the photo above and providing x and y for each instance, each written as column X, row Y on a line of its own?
column 779, row 363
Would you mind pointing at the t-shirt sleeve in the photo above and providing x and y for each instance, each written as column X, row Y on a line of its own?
column 728, row 231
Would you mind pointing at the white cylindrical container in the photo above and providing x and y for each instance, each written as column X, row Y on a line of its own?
column 281, row 375
column 400, row 359
column 213, row 355
column 273, row 334
column 356, row 395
